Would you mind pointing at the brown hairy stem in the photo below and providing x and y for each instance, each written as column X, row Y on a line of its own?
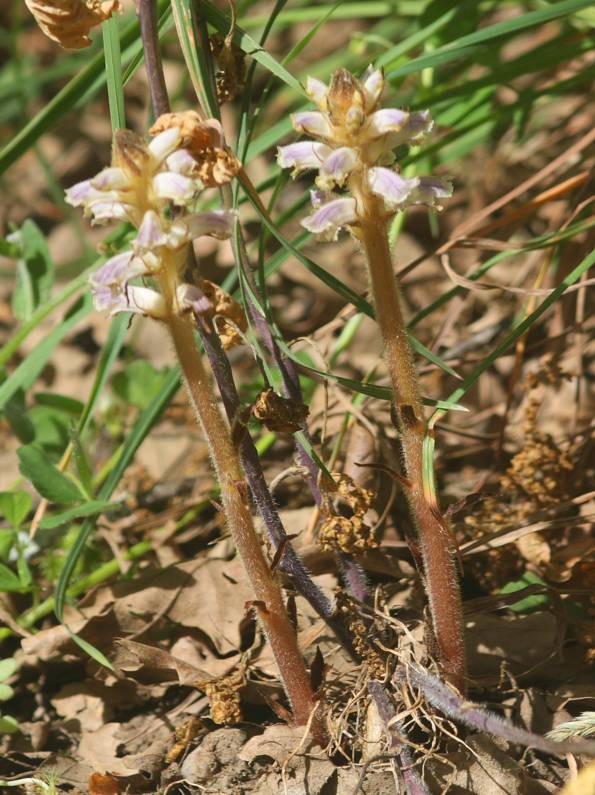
column 268, row 598
column 268, row 601
column 437, row 545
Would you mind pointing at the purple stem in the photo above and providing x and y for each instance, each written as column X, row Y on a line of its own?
column 290, row 562
column 292, row 389
column 353, row 574
column 475, row 716
column 147, row 12
column 413, row 782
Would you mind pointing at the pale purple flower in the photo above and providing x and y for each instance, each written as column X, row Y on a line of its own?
column 317, row 91
column 386, row 120
column 431, row 189
column 216, row 223
column 394, row 189
column 111, row 178
column 373, row 86
column 189, row 296
column 399, row 192
column 302, row 155
column 337, row 167
column 330, row 217
column 312, row 123
column 118, row 270
column 112, row 291
column 154, row 234
column 101, row 205
column 174, row 187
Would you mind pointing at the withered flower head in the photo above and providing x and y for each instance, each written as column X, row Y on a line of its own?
column 229, row 315
column 215, row 164
column 69, row 21
column 231, row 68
column 279, row 413
column 350, row 535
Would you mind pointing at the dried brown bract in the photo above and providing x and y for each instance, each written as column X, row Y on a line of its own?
column 231, row 68
column 279, row 413
column 69, row 21
column 230, row 317
column 216, row 164
column 224, row 698
column 351, row 536
column 359, row 499
column 361, row 633
column 184, row 734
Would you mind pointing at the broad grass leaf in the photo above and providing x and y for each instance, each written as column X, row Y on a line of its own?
column 35, row 271
column 9, row 581
column 14, row 506
column 45, row 477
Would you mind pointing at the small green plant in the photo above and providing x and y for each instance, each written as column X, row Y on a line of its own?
column 8, row 725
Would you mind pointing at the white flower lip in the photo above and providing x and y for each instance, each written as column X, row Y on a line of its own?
column 392, row 187
column 330, row 217
column 164, row 144
column 373, row 85
column 181, row 162
column 387, row 120
column 317, row 91
column 175, row 187
column 312, row 123
column 217, row 223
column 337, row 167
column 118, row 270
column 103, row 210
column 302, row 155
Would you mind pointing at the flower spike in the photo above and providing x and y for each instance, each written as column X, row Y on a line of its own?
column 354, row 143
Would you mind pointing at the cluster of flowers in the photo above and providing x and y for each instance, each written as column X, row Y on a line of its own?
column 155, row 186
column 354, row 149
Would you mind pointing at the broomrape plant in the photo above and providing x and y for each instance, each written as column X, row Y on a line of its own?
column 154, row 186
column 353, row 151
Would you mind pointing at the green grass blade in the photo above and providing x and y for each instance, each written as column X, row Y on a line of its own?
column 26, row 373
column 113, row 70
column 109, row 354
column 466, row 45
column 142, row 426
column 83, row 85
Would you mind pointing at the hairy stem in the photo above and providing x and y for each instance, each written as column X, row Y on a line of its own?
column 224, row 454
column 290, row 563
column 268, row 598
column 437, row 545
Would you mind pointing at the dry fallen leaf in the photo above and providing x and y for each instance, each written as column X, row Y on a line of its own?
column 69, row 21
column 103, row 785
